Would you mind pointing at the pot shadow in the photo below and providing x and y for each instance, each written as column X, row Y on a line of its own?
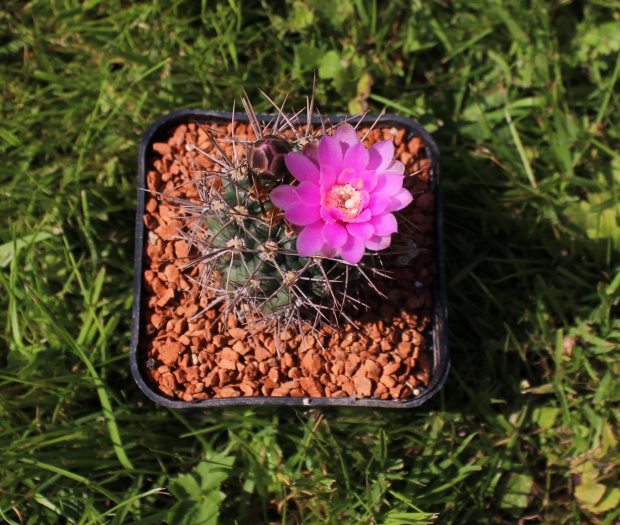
column 501, row 268
column 503, row 285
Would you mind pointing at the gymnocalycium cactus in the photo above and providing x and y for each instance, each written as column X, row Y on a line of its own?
column 283, row 224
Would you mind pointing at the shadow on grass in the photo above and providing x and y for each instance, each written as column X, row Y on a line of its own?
column 506, row 303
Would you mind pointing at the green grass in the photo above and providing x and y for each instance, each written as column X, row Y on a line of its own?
column 522, row 98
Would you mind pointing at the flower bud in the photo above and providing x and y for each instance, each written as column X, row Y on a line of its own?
column 266, row 158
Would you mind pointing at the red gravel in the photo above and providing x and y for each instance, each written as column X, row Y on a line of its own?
column 384, row 356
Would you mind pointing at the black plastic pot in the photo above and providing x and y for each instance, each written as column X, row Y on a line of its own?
column 159, row 131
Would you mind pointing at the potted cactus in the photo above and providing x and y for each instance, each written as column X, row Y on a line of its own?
column 288, row 260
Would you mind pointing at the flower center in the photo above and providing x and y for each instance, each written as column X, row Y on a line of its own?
column 346, row 199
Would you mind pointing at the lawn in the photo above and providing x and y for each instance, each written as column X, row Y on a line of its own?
column 522, row 99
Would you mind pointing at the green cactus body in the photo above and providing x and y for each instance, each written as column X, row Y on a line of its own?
column 253, row 248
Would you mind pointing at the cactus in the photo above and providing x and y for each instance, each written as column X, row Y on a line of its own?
column 260, row 256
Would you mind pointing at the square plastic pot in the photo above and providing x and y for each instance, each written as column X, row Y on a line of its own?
column 159, row 131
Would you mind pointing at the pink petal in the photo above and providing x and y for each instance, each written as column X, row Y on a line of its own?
column 311, row 151
column 370, row 179
column 347, row 134
column 377, row 242
column 381, row 155
column 301, row 167
column 378, row 203
column 284, row 196
column 385, row 224
column 356, row 158
column 335, row 235
column 302, row 215
column 365, row 196
column 399, row 201
column 356, row 182
column 362, row 217
column 364, row 230
column 353, row 250
column 326, row 215
column 346, row 175
column 330, row 253
column 335, row 214
column 310, row 240
column 330, row 153
column 389, row 183
column 308, row 193
column 397, row 167
column 328, row 178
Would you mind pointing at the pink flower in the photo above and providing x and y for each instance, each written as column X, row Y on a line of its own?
column 345, row 196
